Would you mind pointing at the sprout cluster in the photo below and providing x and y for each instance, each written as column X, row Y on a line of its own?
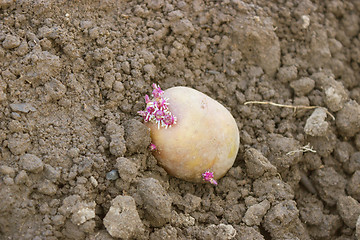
column 209, row 177
column 157, row 110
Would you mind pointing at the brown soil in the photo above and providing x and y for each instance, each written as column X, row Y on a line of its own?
column 74, row 160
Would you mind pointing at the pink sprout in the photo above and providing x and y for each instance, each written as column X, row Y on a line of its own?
column 169, row 120
column 152, row 147
column 209, row 177
column 157, row 110
column 159, row 115
column 157, row 92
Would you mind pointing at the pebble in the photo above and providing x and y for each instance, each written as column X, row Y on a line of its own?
column 122, row 220
column 31, row 163
column 127, row 169
column 48, row 188
column 11, row 42
column 353, row 185
column 19, row 143
column 222, row 231
column 348, row 119
column 329, row 184
column 51, row 173
column 282, row 221
column 83, row 213
column 112, row 175
column 137, row 136
column 302, row 86
column 287, row 73
column 6, row 170
column 183, row 27
column 21, row 177
column 8, row 181
column 157, row 202
column 257, row 164
column 93, row 181
column 316, row 125
column 255, row 213
column 22, row 107
column 349, row 210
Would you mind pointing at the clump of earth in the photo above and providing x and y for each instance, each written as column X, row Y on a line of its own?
column 74, row 156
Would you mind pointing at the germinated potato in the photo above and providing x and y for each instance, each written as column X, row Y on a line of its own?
column 204, row 138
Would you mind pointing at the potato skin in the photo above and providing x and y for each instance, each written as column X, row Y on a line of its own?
column 205, row 137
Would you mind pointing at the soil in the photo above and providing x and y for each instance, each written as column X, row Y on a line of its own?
column 75, row 162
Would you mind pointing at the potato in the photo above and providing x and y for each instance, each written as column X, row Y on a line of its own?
column 205, row 136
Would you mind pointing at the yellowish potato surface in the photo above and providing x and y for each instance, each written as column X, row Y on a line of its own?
column 205, row 137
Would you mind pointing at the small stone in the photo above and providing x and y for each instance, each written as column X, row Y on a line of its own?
column 222, row 231
column 311, row 210
column 122, row 220
column 88, row 226
column 248, row 233
column 183, row 27
column 58, row 220
column 19, row 144
column 275, row 187
column 191, row 202
column 55, row 89
column 348, row 119
column 72, row 231
column 8, row 181
column 22, row 177
column 329, row 184
column 117, row 144
column 316, row 125
column 335, row 97
column 150, row 69
column 112, row 175
column 137, row 136
column 155, row 4
column 48, row 188
column 353, row 164
column 349, row 210
column 305, row 21
column 31, row 163
column 165, row 233
column 335, row 93
column 302, row 86
column 342, row 153
column 181, row 220
column 255, row 213
column 93, row 181
column 282, row 221
column 22, row 107
column 73, row 152
column 157, row 202
column 257, row 165
column 11, row 42
column 83, row 213
column 51, row 173
column 118, row 86
column 127, row 169
column 286, row 74
column 353, row 185
column 330, row 224
column 6, row 170
column 22, row 49
column 109, row 80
